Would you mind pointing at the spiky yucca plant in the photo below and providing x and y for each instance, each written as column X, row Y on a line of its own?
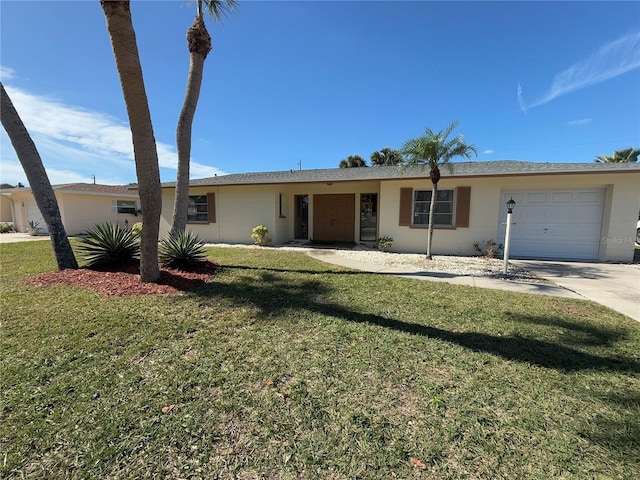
column 109, row 244
column 181, row 249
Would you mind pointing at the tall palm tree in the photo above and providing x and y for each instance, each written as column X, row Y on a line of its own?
column 353, row 161
column 38, row 181
column 432, row 150
column 125, row 51
column 628, row 155
column 199, row 44
column 385, row 157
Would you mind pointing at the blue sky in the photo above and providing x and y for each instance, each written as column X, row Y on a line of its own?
column 317, row 81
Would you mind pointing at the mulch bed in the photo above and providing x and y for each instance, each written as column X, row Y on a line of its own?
column 124, row 280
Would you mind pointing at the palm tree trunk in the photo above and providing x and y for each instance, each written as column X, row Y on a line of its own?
column 199, row 43
column 432, row 210
column 125, row 51
column 38, row 181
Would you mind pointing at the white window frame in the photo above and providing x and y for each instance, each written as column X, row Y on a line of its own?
column 424, row 205
column 118, row 207
column 192, row 209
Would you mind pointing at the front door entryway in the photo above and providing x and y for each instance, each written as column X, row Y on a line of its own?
column 302, row 216
column 334, row 218
column 368, row 217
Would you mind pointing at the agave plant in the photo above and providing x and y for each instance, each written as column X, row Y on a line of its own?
column 181, row 249
column 108, row 244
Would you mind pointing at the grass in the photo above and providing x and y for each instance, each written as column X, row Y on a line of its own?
column 284, row 367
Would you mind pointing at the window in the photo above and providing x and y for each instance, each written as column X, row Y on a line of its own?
column 125, row 207
column 281, row 206
column 368, row 217
column 197, row 210
column 443, row 209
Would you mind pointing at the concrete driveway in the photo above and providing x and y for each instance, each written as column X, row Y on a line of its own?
column 14, row 237
column 616, row 286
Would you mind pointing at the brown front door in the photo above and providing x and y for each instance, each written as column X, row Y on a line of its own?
column 333, row 218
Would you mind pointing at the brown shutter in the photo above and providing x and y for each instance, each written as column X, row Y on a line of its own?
column 211, row 207
column 406, row 206
column 463, row 205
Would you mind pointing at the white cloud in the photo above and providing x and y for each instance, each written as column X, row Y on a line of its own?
column 609, row 61
column 580, row 121
column 6, row 73
column 487, row 152
column 521, row 102
column 76, row 143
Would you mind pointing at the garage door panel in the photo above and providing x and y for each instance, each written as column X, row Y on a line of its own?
column 562, row 223
column 33, row 214
column 562, row 197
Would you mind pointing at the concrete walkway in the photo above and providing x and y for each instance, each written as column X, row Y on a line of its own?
column 15, row 237
column 613, row 285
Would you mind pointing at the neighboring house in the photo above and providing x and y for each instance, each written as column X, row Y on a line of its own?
column 82, row 205
column 563, row 210
column 5, row 205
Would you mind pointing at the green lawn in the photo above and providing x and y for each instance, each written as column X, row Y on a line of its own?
column 285, row 367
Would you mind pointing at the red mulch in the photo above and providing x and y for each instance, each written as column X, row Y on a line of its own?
column 125, row 280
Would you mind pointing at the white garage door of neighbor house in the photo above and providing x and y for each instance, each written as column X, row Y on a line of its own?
column 33, row 213
column 559, row 224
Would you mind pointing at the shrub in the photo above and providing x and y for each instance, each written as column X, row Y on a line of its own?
column 384, row 244
column 181, row 249
column 109, row 244
column 488, row 248
column 136, row 228
column 5, row 228
column 260, row 235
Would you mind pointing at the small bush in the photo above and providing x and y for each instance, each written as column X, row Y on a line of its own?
column 181, row 249
column 109, row 244
column 260, row 235
column 488, row 248
column 384, row 244
column 5, row 228
column 136, row 228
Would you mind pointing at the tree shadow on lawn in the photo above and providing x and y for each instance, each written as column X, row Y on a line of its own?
column 574, row 332
column 223, row 268
column 272, row 295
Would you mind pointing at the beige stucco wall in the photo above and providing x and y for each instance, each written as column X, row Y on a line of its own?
column 619, row 218
column 78, row 211
column 5, row 210
column 240, row 208
column 83, row 211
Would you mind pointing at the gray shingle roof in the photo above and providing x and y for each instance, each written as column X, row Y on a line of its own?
column 456, row 169
column 92, row 188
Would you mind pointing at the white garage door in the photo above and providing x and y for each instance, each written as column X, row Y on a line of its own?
column 33, row 213
column 560, row 224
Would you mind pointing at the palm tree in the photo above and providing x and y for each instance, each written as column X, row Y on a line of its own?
column 353, row 161
column 385, row 157
column 433, row 150
column 38, row 180
column 628, row 155
column 125, row 51
column 199, row 44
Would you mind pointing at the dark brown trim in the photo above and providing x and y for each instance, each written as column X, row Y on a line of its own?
column 406, row 207
column 211, row 207
column 463, row 205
